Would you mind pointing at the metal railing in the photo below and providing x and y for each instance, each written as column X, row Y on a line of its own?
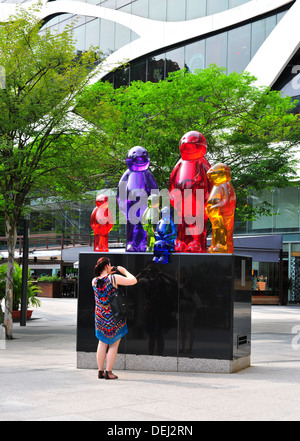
column 54, row 241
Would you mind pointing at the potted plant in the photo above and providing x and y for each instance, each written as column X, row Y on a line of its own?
column 32, row 290
column 50, row 286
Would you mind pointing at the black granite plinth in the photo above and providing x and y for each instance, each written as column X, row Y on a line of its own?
column 182, row 315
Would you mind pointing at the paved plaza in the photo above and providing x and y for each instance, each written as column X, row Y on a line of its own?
column 40, row 381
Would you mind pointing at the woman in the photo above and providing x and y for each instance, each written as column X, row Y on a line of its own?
column 109, row 329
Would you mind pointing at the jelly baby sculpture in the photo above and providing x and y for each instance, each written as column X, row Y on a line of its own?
column 189, row 190
column 150, row 220
column 165, row 234
column 134, row 188
column 101, row 223
column 220, row 209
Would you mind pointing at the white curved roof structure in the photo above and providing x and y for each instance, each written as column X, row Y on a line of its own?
column 266, row 65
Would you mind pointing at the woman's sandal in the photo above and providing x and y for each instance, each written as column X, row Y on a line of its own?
column 110, row 376
column 101, row 374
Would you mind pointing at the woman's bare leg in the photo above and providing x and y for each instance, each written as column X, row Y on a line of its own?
column 111, row 355
column 101, row 354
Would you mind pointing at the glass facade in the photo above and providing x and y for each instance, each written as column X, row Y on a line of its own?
column 171, row 10
column 231, row 49
column 110, row 36
column 285, row 215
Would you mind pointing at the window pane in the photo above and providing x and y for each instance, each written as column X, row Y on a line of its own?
column 79, row 36
column 287, row 209
column 107, row 40
column 156, row 68
column 260, row 31
column 176, row 10
column 234, row 3
column 175, row 60
column 195, row 56
column 121, row 3
column 65, row 19
column 238, row 49
column 216, row 50
column 263, row 224
column 122, row 36
column 93, row 33
column 121, row 77
column 108, row 3
column 158, row 9
column 214, row 6
column 280, row 15
column 141, row 8
column 138, row 71
column 195, row 9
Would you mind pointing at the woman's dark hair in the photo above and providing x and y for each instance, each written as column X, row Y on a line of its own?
column 101, row 264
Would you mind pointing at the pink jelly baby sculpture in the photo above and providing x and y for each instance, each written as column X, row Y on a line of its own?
column 135, row 186
column 101, row 223
column 220, row 209
column 189, row 190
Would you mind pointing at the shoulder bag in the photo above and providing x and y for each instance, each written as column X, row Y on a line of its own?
column 117, row 302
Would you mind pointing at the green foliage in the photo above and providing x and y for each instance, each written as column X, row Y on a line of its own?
column 49, row 279
column 32, row 289
column 38, row 154
column 250, row 129
column 37, row 131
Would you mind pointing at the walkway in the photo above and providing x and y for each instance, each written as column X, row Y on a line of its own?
column 39, row 379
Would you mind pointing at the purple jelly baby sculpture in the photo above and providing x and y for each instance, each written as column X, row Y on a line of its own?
column 134, row 188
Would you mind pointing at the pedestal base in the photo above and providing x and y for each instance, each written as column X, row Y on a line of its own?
column 87, row 360
column 190, row 315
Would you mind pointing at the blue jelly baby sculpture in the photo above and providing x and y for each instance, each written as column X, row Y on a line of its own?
column 135, row 186
column 166, row 234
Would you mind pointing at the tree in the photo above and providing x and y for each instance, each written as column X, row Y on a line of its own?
column 38, row 153
column 251, row 129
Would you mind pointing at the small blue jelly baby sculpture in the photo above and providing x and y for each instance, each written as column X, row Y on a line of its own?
column 166, row 234
column 150, row 220
column 133, row 191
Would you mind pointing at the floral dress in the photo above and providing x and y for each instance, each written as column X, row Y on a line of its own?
column 109, row 328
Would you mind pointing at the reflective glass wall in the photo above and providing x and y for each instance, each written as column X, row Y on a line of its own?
column 106, row 35
column 285, row 213
column 171, row 10
column 232, row 49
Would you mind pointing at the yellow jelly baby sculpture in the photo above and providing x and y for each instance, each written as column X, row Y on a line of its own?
column 220, row 209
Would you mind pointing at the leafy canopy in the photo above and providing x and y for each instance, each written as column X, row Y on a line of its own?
column 251, row 129
column 43, row 75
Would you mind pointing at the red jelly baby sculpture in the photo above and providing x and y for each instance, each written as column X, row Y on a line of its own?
column 220, row 209
column 101, row 223
column 189, row 190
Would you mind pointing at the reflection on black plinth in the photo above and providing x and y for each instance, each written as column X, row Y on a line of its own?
column 152, row 323
column 196, row 306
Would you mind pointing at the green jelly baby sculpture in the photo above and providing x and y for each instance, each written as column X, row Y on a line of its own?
column 150, row 220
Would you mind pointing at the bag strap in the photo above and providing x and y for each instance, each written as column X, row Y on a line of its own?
column 113, row 280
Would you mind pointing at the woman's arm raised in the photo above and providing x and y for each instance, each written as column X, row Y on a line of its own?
column 127, row 279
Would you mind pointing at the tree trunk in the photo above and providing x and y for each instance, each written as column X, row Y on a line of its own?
column 11, row 234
